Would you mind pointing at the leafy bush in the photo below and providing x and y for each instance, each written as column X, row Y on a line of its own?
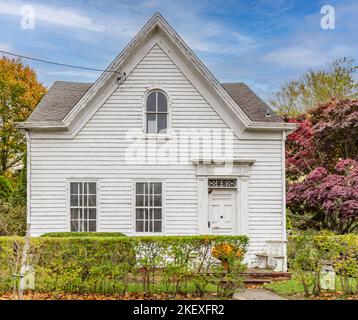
column 13, row 205
column 6, row 188
column 308, row 253
column 18, row 197
column 115, row 264
column 83, row 234
column 12, row 219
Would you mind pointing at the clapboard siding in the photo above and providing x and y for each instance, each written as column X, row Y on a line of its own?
column 99, row 152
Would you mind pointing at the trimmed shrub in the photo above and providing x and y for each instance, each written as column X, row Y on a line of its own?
column 12, row 219
column 83, row 234
column 150, row 264
column 308, row 253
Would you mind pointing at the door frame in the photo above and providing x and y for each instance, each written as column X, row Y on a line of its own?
column 239, row 169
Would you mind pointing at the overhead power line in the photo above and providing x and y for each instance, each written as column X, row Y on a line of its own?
column 60, row 64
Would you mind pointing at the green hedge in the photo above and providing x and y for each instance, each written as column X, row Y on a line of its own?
column 83, row 234
column 120, row 264
column 308, row 253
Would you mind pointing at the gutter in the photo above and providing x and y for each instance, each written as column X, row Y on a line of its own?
column 274, row 126
column 43, row 126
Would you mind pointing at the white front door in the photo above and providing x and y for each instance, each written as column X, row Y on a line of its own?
column 222, row 210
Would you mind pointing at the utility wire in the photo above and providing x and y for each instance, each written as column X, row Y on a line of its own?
column 58, row 63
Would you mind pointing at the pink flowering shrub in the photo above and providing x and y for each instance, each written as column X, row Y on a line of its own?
column 332, row 198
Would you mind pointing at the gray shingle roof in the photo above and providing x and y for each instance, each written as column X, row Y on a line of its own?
column 63, row 96
column 251, row 104
column 58, row 101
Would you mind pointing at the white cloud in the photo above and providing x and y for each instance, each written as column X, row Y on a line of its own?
column 5, row 46
column 68, row 17
column 305, row 56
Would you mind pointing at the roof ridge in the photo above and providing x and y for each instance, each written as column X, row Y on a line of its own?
column 71, row 82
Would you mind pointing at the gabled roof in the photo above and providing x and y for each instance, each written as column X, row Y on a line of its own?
column 58, row 101
column 83, row 101
column 255, row 108
column 63, row 96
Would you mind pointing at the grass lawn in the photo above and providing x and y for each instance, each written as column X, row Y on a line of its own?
column 293, row 289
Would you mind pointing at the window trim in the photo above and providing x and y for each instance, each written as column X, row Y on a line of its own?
column 68, row 200
column 144, row 121
column 134, row 232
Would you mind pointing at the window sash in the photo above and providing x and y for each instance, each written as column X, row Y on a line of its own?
column 83, row 206
column 156, row 113
column 149, row 207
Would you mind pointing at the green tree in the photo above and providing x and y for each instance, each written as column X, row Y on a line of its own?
column 20, row 92
column 317, row 87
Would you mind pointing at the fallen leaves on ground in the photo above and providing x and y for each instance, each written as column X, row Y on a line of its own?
column 95, row 296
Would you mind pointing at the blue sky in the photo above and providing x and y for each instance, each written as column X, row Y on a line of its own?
column 262, row 43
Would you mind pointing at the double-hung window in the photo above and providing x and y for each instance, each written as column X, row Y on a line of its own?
column 83, row 206
column 156, row 113
column 148, row 206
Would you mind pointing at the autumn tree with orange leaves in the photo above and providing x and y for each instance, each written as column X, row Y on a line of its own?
column 20, row 92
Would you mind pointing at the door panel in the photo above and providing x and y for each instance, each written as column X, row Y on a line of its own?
column 222, row 208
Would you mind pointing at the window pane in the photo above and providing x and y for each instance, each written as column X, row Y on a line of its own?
column 74, row 187
column 162, row 122
column 92, row 213
column 91, row 188
column 74, row 201
column 74, row 214
column 74, row 226
column 157, row 226
column 92, row 200
column 156, row 188
column 151, row 123
column 85, row 214
column 139, row 201
column 157, row 201
column 151, row 103
column 140, row 214
column 162, row 102
column 157, row 214
column 92, row 226
column 140, row 188
column 139, row 226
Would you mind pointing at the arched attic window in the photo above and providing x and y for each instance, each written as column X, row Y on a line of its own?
column 156, row 112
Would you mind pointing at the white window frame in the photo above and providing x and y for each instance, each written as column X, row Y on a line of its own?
column 68, row 200
column 134, row 207
column 144, row 122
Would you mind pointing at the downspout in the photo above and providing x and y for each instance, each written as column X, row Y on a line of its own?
column 28, row 176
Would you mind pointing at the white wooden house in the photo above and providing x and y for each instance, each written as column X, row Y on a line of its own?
column 157, row 145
